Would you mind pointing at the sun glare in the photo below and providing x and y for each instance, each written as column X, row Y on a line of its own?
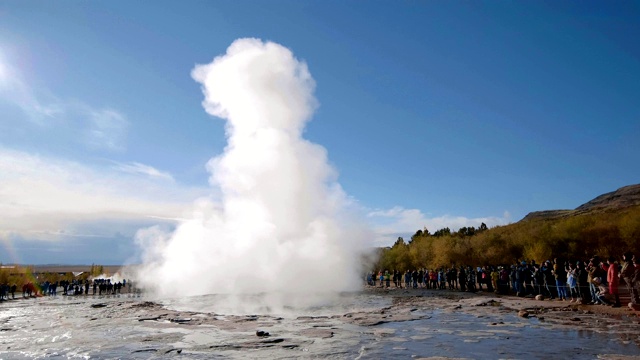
column 3, row 70
column 4, row 67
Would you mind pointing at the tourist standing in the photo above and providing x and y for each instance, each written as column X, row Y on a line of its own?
column 549, row 279
column 462, row 277
column 583, row 283
column 627, row 274
column 560, row 275
column 407, row 279
column 636, row 279
column 612, row 279
column 572, row 281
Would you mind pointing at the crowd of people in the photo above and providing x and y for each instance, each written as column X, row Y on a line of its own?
column 76, row 287
column 587, row 282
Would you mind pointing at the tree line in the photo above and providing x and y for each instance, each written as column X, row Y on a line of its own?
column 572, row 237
column 17, row 274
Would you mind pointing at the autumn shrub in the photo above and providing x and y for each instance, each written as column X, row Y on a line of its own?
column 606, row 233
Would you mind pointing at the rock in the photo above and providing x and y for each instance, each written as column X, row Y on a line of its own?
column 523, row 313
column 540, row 297
column 180, row 321
column 317, row 333
column 272, row 341
column 156, row 318
column 261, row 333
column 490, row 302
column 374, row 323
column 146, row 304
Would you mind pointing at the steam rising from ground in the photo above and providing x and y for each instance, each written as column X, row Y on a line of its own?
column 283, row 224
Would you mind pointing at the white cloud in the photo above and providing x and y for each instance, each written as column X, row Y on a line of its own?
column 47, row 198
column 142, row 169
column 106, row 129
column 388, row 224
column 98, row 128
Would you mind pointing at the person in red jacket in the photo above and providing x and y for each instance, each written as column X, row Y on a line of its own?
column 612, row 279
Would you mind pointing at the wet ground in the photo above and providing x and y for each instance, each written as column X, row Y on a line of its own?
column 371, row 324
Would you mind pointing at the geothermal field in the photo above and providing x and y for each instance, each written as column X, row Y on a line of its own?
column 367, row 324
column 272, row 269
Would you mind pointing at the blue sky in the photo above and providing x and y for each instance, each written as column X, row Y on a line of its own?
column 433, row 113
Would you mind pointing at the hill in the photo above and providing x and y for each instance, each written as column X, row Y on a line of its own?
column 608, row 225
column 624, row 197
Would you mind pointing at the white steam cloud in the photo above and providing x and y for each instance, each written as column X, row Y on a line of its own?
column 283, row 224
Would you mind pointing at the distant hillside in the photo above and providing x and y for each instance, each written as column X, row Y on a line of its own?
column 110, row 269
column 608, row 225
column 622, row 198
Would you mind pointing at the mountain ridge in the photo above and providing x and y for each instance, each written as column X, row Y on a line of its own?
column 622, row 198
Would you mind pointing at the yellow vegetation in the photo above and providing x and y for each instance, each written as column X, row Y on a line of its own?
column 573, row 237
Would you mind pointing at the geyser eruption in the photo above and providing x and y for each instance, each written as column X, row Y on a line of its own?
column 282, row 223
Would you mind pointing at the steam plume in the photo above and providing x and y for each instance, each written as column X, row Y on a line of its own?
column 283, row 223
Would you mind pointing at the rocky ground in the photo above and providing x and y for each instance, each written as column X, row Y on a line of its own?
column 148, row 329
column 445, row 298
column 622, row 322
